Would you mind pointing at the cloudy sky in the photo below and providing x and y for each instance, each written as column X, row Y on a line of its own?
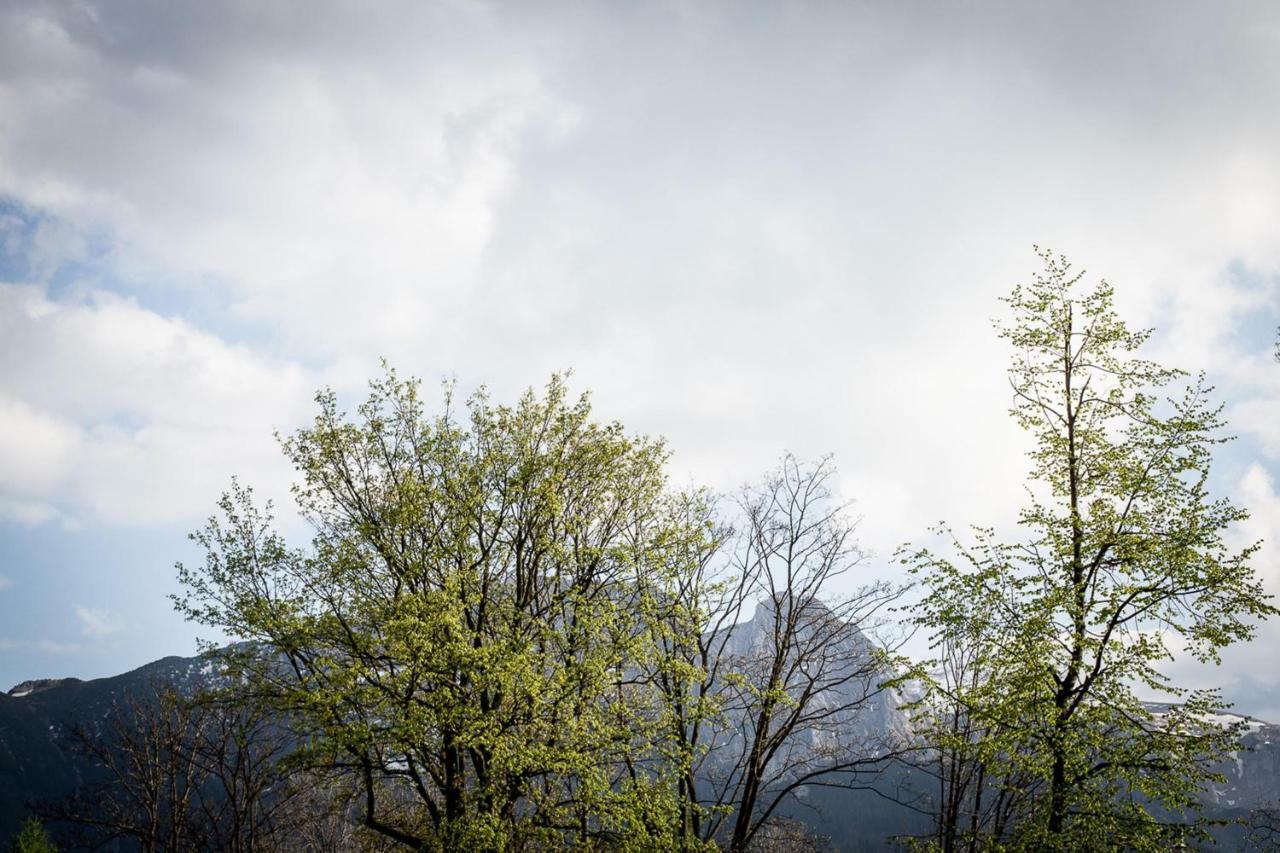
column 749, row 227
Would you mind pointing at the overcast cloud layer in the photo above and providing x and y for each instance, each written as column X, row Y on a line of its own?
column 747, row 227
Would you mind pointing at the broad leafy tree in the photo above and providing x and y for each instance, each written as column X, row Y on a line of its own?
column 1047, row 640
column 466, row 634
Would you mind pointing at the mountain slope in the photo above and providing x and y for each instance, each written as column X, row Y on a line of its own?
column 37, row 719
column 37, row 761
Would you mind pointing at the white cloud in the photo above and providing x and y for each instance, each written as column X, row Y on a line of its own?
column 49, row 646
column 750, row 228
column 1247, row 675
column 37, row 449
column 128, row 416
column 749, row 231
column 341, row 173
column 5, row 582
column 95, row 623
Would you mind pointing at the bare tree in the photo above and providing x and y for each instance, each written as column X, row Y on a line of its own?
column 180, row 774
column 764, row 708
column 245, row 803
column 785, row 835
column 149, row 775
column 967, row 796
column 1262, row 828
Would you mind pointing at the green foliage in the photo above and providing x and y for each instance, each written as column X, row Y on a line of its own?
column 1043, row 643
column 464, row 632
column 32, row 838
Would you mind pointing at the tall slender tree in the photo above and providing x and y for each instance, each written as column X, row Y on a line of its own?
column 1122, row 563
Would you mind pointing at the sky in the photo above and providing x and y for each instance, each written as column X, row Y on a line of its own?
column 748, row 227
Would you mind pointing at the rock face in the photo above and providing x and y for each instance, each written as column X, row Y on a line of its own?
column 849, row 707
column 39, row 685
column 1253, row 773
column 848, row 715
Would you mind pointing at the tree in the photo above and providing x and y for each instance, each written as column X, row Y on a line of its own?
column 760, row 710
column 465, row 635
column 32, row 838
column 967, row 798
column 1122, row 562
column 798, row 693
column 250, row 797
column 181, row 773
column 1262, row 828
column 150, row 780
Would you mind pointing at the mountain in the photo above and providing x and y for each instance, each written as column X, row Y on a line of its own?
column 848, row 714
column 1253, row 773
column 859, row 710
column 37, row 762
column 37, row 719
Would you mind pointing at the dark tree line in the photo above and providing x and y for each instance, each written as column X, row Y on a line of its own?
column 195, row 773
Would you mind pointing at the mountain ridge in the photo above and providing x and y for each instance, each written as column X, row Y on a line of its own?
column 37, row 762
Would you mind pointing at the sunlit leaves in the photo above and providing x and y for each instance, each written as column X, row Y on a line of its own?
column 463, row 632
column 1044, row 642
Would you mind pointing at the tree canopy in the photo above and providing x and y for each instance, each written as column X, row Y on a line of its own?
column 1047, row 642
column 463, row 631
column 503, row 627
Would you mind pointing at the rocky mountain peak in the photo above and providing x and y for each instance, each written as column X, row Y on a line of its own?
column 39, row 685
